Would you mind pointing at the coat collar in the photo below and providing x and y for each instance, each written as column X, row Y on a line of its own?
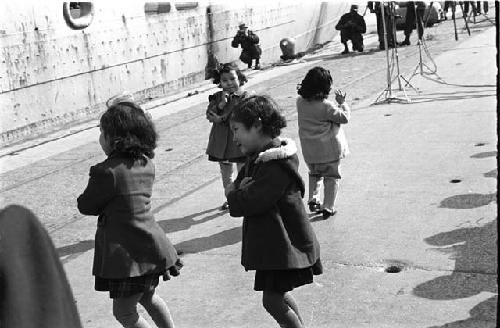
column 279, row 148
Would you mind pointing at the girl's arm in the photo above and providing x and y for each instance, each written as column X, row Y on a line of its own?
column 100, row 190
column 214, row 107
column 338, row 114
column 261, row 194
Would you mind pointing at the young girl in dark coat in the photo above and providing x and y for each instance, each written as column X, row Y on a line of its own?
column 131, row 250
column 278, row 240
column 221, row 147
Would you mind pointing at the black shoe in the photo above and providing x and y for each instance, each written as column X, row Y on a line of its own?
column 224, row 206
column 327, row 213
column 257, row 67
column 346, row 51
column 405, row 43
column 314, row 207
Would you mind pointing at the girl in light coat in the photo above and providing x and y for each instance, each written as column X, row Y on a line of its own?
column 322, row 138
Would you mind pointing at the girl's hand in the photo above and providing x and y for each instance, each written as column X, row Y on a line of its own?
column 340, row 96
column 214, row 118
column 246, row 182
column 224, row 100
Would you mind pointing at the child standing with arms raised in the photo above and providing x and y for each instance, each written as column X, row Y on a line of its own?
column 131, row 250
column 221, row 147
column 322, row 138
column 278, row 240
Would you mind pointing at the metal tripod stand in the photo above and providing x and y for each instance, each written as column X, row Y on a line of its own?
column 422, row 68
column 387, row 94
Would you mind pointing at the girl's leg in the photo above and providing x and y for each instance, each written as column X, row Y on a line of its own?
column 226, row 171
column 290, row 301
column 331, row 182
column 315, row 182
column 331, row 190
column 125, row 312
column 278, row 308
column 157, row 309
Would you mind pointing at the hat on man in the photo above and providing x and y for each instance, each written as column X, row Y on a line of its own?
column 242, row 26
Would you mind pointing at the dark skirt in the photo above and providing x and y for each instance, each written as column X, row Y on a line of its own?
column 286, row 280
column 127, row 287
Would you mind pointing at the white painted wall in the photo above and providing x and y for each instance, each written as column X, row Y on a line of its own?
column 51, row 75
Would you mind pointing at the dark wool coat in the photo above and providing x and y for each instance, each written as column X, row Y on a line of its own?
column 128, row 241
column 249, row 44
column 277, row 233
column 221, row 145
column 34, row 290
column 353, row 22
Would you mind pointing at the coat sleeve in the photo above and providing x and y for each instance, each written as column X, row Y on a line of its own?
column 236, row 41
column 361, row 26
column 212, row 104
column 338, row 114
column 259, row 197
column 253, row 37
column 340, row 24
column 100, row 190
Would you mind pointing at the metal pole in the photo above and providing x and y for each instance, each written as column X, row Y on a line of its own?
column 389, row 88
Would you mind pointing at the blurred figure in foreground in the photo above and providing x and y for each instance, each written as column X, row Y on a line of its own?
column 34, row 290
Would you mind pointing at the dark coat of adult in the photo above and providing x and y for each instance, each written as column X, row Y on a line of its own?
column 352, row 23
column 276, row 234
column 415, row 11
column 128, row 241
column 376, row 7
column 34, row 290
column 221, row 145
column 249, row 44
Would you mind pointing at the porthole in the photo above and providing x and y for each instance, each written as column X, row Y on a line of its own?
column 78, row 15
column 155, row 8
column 186, row 5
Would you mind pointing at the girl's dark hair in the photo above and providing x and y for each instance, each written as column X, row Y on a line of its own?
column 227, row 68
column 263, row 109
column 316, row 85
column 130, row 130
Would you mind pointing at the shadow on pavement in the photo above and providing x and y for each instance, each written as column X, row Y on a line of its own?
column 186, row 222
column 485, row 154
column 468, row 201
column 220, row 239
column 424, row 98
column 482, row 312
column 198, row 244
column 491, row 174
column 341, row 56
column 80, row 247
column 475, row 252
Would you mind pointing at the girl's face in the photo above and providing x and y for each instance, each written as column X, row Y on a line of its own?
column 250, row 140
column 229, row 81
column 105, row 143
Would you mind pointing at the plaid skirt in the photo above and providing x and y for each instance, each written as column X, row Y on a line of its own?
column 127, row 287
column 286, row 280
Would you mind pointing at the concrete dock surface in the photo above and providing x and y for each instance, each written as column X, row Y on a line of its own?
column 418, row 196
